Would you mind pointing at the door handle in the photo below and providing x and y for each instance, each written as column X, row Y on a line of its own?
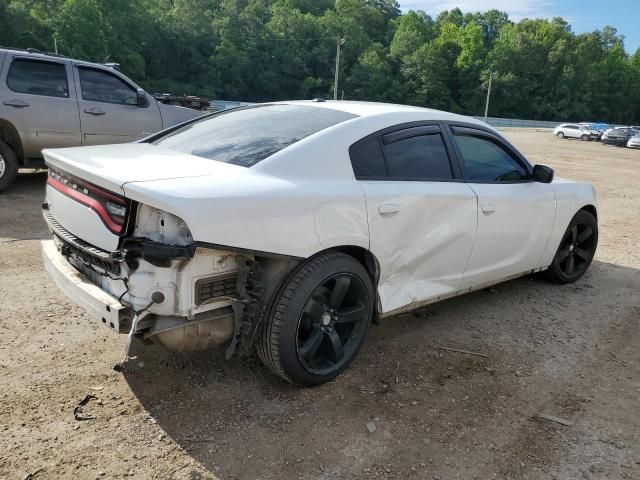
column 388, row 208
column 16, row 103
column 94, row 111
column 488, row 209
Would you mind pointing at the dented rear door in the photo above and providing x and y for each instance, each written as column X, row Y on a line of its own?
column 422, row 219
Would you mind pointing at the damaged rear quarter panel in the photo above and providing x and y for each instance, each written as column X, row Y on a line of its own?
column 259, row 212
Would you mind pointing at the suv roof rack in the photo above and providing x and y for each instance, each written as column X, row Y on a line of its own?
column 34, row 50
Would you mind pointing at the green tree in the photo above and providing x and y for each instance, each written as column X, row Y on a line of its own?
column 257, row 50
column 81, row 30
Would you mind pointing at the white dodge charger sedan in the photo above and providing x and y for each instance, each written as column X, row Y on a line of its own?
column 288, row 228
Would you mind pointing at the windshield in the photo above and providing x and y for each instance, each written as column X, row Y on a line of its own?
column 245, row 136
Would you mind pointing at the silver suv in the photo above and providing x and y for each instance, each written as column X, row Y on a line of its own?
column 49, row 101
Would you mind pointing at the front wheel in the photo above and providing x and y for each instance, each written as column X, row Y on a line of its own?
column 584, row 138
column 319, row 320
column 560, row 135
column 576, row 250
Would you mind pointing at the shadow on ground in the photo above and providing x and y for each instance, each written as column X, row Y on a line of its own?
column 433, row 410
column 20, row 216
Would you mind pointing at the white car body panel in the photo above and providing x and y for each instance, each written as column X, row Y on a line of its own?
column 570, row 197
column 514, row 223
column 298, row 220
column 111, row 166
column 422, row 234
column 305, row 199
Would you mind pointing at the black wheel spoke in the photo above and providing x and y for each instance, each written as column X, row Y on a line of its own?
column 563, row 254
column 570, row 264
column 340, row 290
column 332, row 323
column 351, row 314
column 583, row 254
column 574, row 233
column 312, row 344
column 337, row 349
column 585, row 235
column 314, row 309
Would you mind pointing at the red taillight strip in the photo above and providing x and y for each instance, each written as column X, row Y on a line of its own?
column 97, row 190
column 92, row 203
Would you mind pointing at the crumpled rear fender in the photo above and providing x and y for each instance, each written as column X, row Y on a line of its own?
column 262, row 213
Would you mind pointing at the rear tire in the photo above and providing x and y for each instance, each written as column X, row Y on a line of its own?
column 8, row 166
column 576, row 250
column 318, row 320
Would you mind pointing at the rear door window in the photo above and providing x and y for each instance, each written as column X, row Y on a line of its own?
column 419, row 157
column 413, row 153
column 246, row 136
column 423, row 157
column 38, row 77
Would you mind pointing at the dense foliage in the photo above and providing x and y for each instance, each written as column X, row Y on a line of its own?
column 257, row 50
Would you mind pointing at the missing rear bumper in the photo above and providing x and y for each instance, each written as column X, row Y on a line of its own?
column 106, row 309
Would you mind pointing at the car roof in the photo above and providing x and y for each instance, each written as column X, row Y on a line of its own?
column 371, row 109
column 39, row 55
column 368, row 109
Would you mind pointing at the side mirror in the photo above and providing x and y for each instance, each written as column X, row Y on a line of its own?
column 141, row 98
column 542, row 174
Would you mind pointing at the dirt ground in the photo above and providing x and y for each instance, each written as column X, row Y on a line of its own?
column 568, row 351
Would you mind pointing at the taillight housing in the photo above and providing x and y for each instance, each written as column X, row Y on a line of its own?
column 110, row 207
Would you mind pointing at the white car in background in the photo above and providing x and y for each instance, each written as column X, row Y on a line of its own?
column 634, row 142
column 288, row 228
column 574, row 130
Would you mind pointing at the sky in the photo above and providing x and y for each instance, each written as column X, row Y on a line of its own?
column 583, row 15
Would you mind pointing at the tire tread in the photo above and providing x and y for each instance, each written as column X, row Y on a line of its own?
column 268, row 344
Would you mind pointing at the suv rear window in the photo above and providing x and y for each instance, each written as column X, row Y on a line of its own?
column 37, row 77
column 246, row 136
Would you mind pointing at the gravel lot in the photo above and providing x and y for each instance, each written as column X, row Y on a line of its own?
column 568, row 351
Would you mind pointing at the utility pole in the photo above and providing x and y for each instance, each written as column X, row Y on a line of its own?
column 55, row 45
column 339, row 43
column 486, row 106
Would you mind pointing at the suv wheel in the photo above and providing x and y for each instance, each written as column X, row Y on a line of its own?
column 318, row 321
column 8, row 166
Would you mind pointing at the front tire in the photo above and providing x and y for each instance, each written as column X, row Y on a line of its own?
column 584, row 138
column 576, row 250
column 8, row 166
column 318, row 321
column 560, row 135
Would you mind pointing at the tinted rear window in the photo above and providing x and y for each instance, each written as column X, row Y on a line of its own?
column 420, row 157
column 248, row 135
column 367, row 159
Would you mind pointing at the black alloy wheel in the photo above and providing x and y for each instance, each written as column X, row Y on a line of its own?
column 332, row 324
column 319, row 319
column 576, row 250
